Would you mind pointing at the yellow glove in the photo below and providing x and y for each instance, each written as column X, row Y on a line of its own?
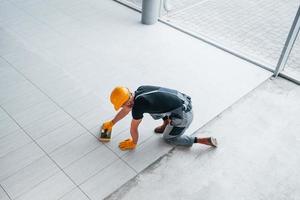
column 107, row 125
column 127, row 145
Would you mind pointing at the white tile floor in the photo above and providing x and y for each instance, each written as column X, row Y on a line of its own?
column 58, row 62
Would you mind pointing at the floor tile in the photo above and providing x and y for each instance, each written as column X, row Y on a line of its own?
column 8, row 11
column 90, row 164
column 147, row 153
column 7, row 125
column 60, row 136
column 145, row 133
column 3, row 195
column 75, row 194
column 75, row 149
column 16, row 160
column 13, row 141
column 83, row 105
column 102, row 184
column 94, row 117
column 36, row 112
column 16, row 91
column 29, row 177
column 47, row 123
column 16, row 106
column 51, row 189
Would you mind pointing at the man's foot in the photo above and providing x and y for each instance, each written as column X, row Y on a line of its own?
column 208, row 141
column 161, row 129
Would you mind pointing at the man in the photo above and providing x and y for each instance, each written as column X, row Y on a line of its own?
column 175, row 108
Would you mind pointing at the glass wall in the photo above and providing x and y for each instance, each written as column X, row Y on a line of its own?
column 255, row 30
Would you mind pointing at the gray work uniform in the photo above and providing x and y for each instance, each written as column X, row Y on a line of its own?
column 181, row 116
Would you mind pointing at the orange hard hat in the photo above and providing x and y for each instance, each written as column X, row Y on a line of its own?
column 119, row 96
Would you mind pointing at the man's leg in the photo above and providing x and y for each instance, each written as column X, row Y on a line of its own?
column 208, row 141
column 161, row 129
column 174, row 135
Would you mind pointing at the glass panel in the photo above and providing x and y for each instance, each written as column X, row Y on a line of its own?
column 292, row 67
column 256, row 30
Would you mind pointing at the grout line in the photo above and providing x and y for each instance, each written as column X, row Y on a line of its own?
column 106, row 168
column 64, row 111
column 67, row 193
column 45, row 179
column 61, row 169
column 80, row 135
column 51, row 131
column 172, row 12
column 23, row 167
column 143, row 170
column 5, row 192
column 18, row 146
column 32, row 138
column 98, row 171
column 68, row 165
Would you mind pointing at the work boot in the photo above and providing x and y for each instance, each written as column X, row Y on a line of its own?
column 161, row 129
column 212, row 142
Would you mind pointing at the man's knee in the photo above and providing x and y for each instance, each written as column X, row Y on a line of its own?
column 169, row 140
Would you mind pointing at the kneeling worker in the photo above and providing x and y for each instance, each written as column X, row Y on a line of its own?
column 175, row 108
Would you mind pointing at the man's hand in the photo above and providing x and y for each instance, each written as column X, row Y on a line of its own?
column 127, row 145
column 107, row 125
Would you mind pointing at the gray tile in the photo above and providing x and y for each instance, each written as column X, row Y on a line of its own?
column 147, row 153
column 68, row 96
column 83, row 105
column 42, row 41
column 33, row 65
column 29, row 177
column 3, row 195
column 56, row 18
column 145, row 132
column 13, row 141
column 17, row 105
column 94, row 117
column 16, row 160
column 8, row 75
column 7, row 126
column 3, row 114
column 75, row 194
column 75, row 149
column 90, row 164
column 45, row 124
column 53, row 188
column 38, row 8
column 35, row 112
column 105, row 182
column 61, row 136
column 67, row 55
column 16, row 91
column 28, row 27
column 8, row 11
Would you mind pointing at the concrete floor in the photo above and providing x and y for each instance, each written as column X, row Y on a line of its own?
column 58, row 62
column 258, row 155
